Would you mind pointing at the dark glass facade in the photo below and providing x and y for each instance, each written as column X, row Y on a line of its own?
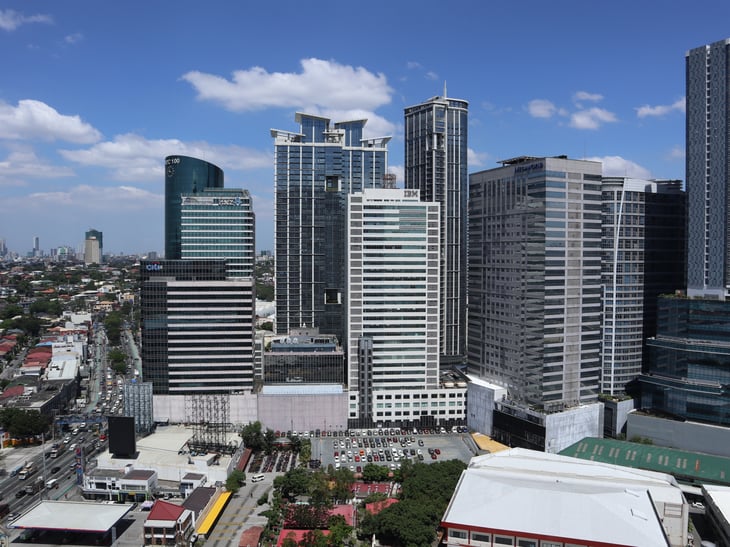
column 197, row 327
column 689, row 367
column 184, row 175
column 314, row 172
column 642, row 257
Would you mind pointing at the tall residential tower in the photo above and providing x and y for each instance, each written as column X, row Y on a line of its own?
column 436, row 165
column 708, row 170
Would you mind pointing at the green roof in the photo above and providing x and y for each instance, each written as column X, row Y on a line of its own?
column 683, row 465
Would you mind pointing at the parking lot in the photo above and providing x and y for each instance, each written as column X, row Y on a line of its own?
column 355, row 449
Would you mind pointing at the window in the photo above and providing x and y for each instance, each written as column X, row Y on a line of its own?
column 502, row 540
column 476, row 536
column 461, row 534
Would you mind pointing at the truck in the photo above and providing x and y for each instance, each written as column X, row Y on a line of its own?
column 56, row 450
column 35, row 486
column 27, row 471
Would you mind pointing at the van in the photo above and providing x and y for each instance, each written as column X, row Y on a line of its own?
column 52, row 483
column 257, row 478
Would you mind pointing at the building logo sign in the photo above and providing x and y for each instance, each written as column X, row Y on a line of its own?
column 154, row 267
column 529, row 168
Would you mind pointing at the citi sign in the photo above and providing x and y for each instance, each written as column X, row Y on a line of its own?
column 155, row 267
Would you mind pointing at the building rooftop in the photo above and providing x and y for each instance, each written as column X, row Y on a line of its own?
column 521, row 490
column 76, row 516
column 684, row 465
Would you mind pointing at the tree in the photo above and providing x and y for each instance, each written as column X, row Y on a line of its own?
column 235, row 480
column 21, row 423
column 294, row 482
column 340, row 531
column 252, row 436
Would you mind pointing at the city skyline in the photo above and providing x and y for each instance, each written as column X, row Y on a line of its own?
column 87, row 115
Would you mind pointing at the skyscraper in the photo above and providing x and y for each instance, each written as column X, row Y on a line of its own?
column 314, row 171
column 219, row 223
column 93, row 247
column 197, row 327
column 535, row 279
column 642, row 257
column 184, row 175
column 689, row 360
column 436, row 165
column 392, row 308
column 708, row 178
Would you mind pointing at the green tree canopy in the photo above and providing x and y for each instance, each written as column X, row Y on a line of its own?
column 20, row 423
column 235, row 480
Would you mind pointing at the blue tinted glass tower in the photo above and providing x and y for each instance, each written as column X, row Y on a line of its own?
column 314, row 171
column 436, row 165
column 184, row 175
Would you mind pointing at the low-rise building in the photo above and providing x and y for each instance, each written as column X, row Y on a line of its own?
column 126, row 484
column 168, row 524
column 529, row 498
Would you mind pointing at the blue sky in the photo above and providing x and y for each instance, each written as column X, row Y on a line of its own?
column 94, row 95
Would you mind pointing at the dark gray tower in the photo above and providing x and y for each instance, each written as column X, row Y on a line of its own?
column 436, row 164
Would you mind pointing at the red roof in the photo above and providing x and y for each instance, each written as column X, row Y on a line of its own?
column 377, row 506
column 164, row 510
column 14, row 391
column 250, row 537
column 296, row 535
column 347, row 511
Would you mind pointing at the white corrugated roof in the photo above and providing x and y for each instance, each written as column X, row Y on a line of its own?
column 70, row 515
column 545, row 494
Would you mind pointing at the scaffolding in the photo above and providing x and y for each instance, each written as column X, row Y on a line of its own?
column 138, row 403
column 209, row 416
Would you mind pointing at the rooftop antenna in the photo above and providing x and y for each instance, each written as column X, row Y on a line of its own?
column 445, row 95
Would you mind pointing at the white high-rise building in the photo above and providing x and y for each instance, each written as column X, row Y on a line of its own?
column 393, row 243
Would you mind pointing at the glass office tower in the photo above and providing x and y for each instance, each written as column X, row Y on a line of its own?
column 642, row 257
column 184, row 175
column 314, row 171
column 436, row 165
column 535, row 280
column 197, row 327
column 219, row 223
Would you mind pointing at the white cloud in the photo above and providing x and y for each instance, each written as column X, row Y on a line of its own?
column 10, row 20
column 73, row 38
column 134, row 158
column 36, row 120
column 476, row 159
column 592, row 118
column 321, row 83
column 431, row 75
column 661, row 110
column 541, row 108
column 85, row 197
column 400, row 174
column 586, row 96
column 23, row 163
column 616, row 166
column 411, row 65
column 677, row 152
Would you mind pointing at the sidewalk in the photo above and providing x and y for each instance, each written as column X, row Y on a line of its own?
column 241, row 513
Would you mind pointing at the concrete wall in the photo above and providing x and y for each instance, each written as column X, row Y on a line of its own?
column 619, row 416
column 172, row 408
column 303, row 412
column 563, row 429
column 692, row 436
column 480, row 398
